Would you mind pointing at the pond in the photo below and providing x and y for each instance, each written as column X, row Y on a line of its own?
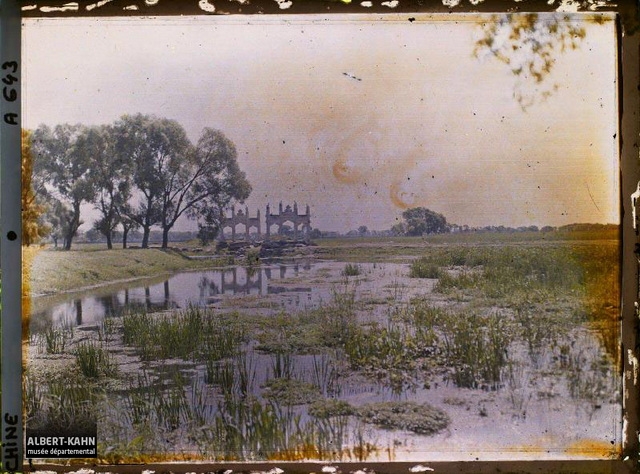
column 200, row 288
column 324, row 350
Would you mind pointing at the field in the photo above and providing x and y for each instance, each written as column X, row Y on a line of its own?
column 452, row 347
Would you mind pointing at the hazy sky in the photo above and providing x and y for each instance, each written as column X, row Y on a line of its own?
column 359, row 119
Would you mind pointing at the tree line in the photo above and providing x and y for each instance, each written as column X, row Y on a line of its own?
column 139, row 172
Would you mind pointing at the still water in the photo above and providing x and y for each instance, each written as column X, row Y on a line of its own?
column 180, row 290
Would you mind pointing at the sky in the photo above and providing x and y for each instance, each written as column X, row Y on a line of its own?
column 360, row 117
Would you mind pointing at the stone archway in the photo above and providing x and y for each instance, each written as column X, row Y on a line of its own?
column 301, row 222
column 241, row 217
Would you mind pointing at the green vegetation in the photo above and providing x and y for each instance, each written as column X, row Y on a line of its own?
column 331, row 407
column 411, row 416
column 423, row 268
column 55, row 340
column 256, row 382
column 106, row 165
column 476, row 348
column 94, row 361
column 420, row 220
column 147, row 401
column 194, row 333
column 55, row 272
column 290, row 392
column 67, row 405
column 351, row 269
column 315, row 330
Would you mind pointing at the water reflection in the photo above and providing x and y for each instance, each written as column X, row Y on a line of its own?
column 178, row 291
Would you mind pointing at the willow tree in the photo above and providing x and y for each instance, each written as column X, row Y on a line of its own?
column 210, row 180
column 111, row 175
column 157, row 149
column 65, row 158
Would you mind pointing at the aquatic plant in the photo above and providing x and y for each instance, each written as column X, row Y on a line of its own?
column 461, row 281
column 331, row 407
column 55, row 339
column 424, row 268
column 164, row 405
column 106, row 330
column 252, row 256
column 66, row 407
column 194, row 333
column 32, row 396
column 288, row 392
column 324, row 375
column 94, row 361
column 476, row 348
column 351, row 269
column 411, row 416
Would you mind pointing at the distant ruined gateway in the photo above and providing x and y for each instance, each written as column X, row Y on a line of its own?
column 301, row 223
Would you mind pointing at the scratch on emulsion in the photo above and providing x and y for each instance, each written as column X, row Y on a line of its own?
column 591, row 196
column 351, row 76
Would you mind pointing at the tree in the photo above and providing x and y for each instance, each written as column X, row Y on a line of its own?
column 398, row 229
column 207, row 234
column 57, row 216
column 529, row 45
column 111, row 174
column 66, row 160
column 420, row 220
column 33, row 195
column 363, row 230
column 93, row 235
column 156, row 148
column 128, row 224
column 216, row 181
column 315, row 233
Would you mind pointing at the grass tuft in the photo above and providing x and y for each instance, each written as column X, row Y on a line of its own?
column 351, row 269
column 93, row 361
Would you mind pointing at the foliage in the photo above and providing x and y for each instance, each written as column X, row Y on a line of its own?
column 215, row 181
column 194, row 333
column 156, row 148
column 476, row 348
column 67, row 407
column 55, row 340
column 65, row 157
column 59, row 218
column 420, row 220
column 111, row 174
column 140, row 171
column 528, row 44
